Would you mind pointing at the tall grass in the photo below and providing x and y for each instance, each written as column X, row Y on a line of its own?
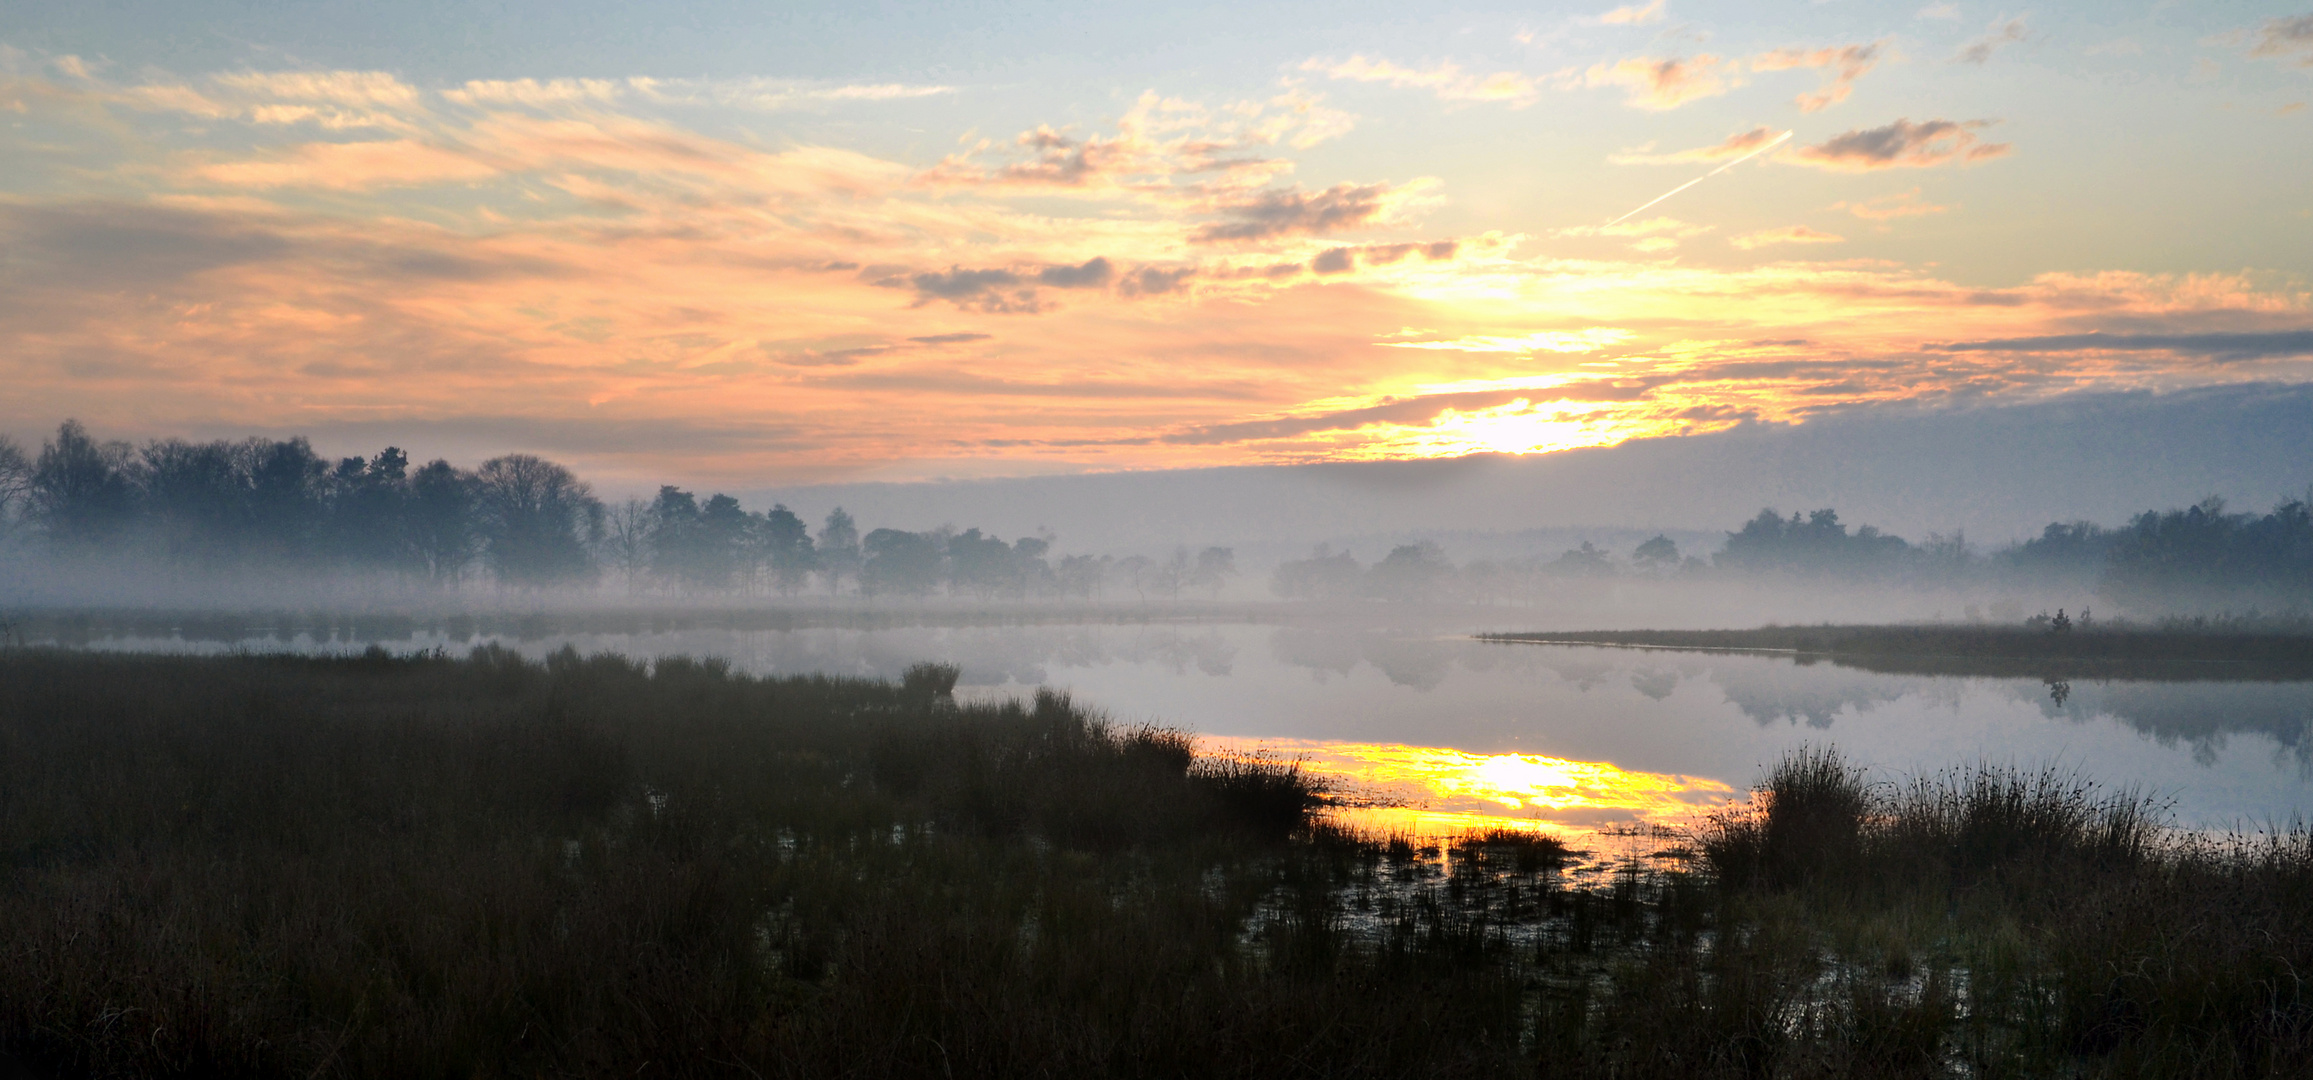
column 379, row 866
column 2088, row 932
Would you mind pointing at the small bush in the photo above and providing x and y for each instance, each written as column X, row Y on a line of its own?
column 930, row 680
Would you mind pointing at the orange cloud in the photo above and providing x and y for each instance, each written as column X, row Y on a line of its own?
column 1888, row 207
column 1789, row 234
column 560, row 270
column 1733, row 146
column 350, row 166
column 1629, row 15
column 1661, row 83
column 1847, row 63
column 1447, row 80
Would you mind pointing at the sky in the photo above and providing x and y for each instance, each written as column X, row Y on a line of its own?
column 757, row 244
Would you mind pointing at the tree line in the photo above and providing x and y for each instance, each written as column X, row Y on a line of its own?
column 516, row 520
column 2195, row 557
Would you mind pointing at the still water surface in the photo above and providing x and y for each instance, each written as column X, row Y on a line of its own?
column 1454, row 732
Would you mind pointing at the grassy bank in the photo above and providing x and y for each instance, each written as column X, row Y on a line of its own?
column 385, row 866
column 2170, row 651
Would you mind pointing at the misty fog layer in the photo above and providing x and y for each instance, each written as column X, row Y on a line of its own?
column 257, row 521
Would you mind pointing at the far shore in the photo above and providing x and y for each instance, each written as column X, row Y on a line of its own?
column 2168, row 651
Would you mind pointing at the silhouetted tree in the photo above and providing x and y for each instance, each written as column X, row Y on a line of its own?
column 441, row 528
column 197, row 497
column 1815, row 542
column 678, row 538
column 627, row 541
column 1324, row 575
column 725, row 544
column 15, row 487
column 1174, row 572
column 285, row 498
column 1409, row 572
column 838, row 550
column 899, row 563
column 1656, row 556
column 2071, row 552
column 699, row 547
column 1136, row 571
column 2202, row 556
column 1082, row 575
column 1215, row 565
column 1034, row 575
column 1585, row 561
column 980, row 565
column 536, row 520
column 786, row 544
column 369, row 510
column 82, row 493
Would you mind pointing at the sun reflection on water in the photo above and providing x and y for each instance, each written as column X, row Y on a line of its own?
column 1438, row 791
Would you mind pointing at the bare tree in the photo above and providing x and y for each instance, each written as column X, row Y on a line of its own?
column 15, row 486
column 537, row 518
column 627, row 541
column 1175, row 572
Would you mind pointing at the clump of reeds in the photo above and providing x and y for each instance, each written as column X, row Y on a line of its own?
column 1991, row 819
column 1806, row 818
column 1814, row 816
column 1262, row 794
column 1523, row 851
column 2084, row 927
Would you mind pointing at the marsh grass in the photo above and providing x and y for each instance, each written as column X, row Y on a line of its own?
column 2031, row 920
column 422, row 866
column 434, row 867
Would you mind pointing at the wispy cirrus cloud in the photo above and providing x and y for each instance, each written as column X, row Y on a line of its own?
column 1733, row 146
column 1586, row 340
column 2288, row 40
column 1901, row 145
column 1660, row 83
column 1162, row 147
column 1901, row 204
column 2001, row 35
column 1447, row 80
column 1846, row 64
column 2218, row 346
column 351, row 166
column 1789, row 234
column 1633, row 15
column 1647, row 236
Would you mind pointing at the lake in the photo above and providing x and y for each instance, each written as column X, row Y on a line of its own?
column 1431, row 730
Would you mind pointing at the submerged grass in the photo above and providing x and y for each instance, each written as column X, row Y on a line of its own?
column 422, row 866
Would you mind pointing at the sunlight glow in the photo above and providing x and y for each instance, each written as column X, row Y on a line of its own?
column 1519, row 427
column 1557, row 341
column 1436, row 791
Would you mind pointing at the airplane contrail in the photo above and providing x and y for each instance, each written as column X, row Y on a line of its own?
column 1771, row 144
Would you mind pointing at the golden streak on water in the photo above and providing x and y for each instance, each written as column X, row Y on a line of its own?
column 1440, row 792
